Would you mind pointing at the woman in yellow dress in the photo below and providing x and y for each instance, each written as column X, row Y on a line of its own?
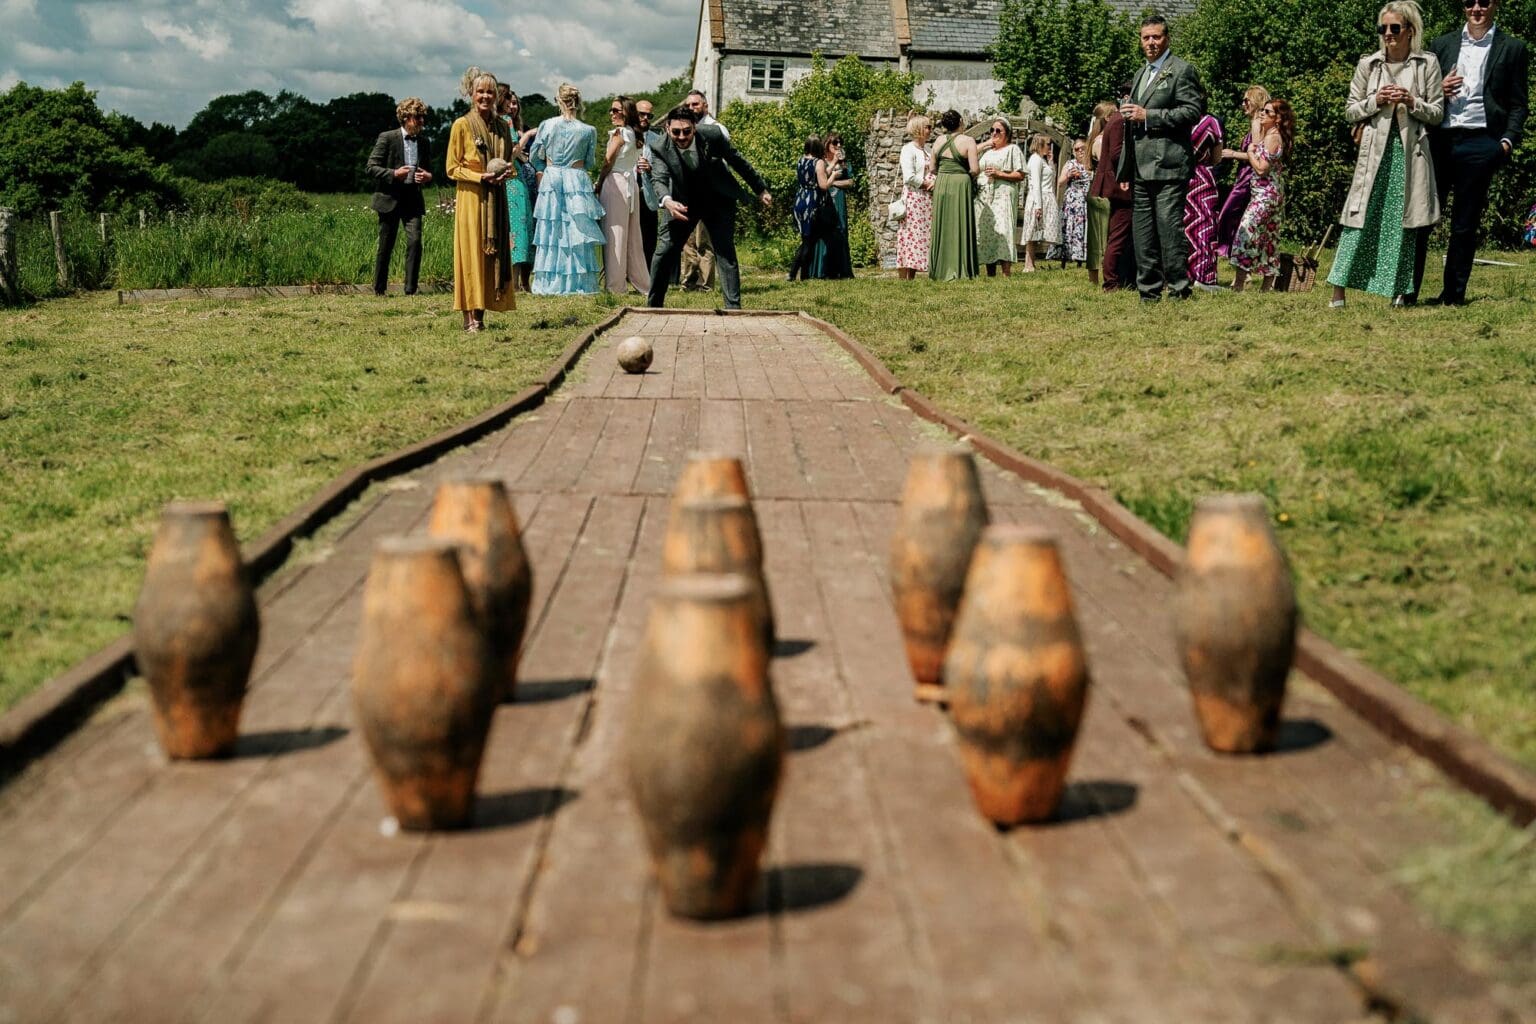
column 482, row 245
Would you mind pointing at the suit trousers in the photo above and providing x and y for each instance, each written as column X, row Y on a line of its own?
column 698, row 262
column 647, row 232
column 389, row 227
column 1119, row 253
column 1465, row 162
column 1157, row 229
column 673, row 235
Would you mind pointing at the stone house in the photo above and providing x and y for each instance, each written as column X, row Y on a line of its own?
column 757, row 49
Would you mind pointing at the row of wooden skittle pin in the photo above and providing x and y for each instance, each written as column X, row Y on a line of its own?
column 986, row 614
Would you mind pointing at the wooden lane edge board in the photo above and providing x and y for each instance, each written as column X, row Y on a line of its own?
column 36, row 723
column 1465, row 758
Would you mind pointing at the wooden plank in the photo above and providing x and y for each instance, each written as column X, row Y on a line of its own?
column 778, row 358
column 830, row 470
column 880, row 460
column 722, row 429
column 688, row 370
column 616, row 458
column 657, row 381
column 719, row 368
column 751, row 377
column 521, row 444
column 560, row 464
column 848, row 954
column 773, row 463
column 674, row 433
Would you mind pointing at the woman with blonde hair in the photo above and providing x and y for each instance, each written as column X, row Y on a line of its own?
column 1254, row 98
column 618, row 187
column 567, row 219
column 917, row 197
column 997, row 200
column 1255, row 249
column 1042, row 215
column 1396, row 96
column 479, row 161
column 1098, row 206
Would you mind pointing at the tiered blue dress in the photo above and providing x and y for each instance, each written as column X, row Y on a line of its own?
column 567, row 218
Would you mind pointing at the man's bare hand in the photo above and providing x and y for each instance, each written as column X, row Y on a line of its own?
column 676, row 209
column 1134, row 112
column 766, row 197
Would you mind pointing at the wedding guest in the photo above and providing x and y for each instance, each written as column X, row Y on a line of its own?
column 618, row 188
column 912, row 238
column 482, row 249
column 648, row 140
column 1395, row 96
column 997, row 200
column 1119, row 269
column 1200, row 203
column 831, row 260
column 696, row 272
column 1254, row 250
column 522, row 188
column 1042, row 216
column 812, row 179
column 1232, row 207
column 1074, row 180
column 398, row 166
column 568, row 217
column 952, row 245
column 1098, row 206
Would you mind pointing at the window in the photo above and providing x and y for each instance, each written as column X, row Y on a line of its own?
column 767, row 75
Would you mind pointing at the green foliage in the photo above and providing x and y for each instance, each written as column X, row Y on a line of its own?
column 1070, row 53
column 58, row 149
column 245, row 198
column 1306, row 52
column 841, row 98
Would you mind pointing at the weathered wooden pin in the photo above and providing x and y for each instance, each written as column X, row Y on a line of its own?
column 1235, row 620
column 711, row 475
column 476, row 513
column 942, row 515
column 719, row 535
column 195, row 628
column 423, row 684
column 1016, row 676
column 704, row 744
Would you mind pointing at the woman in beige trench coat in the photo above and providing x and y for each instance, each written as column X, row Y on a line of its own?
column 1395, row 97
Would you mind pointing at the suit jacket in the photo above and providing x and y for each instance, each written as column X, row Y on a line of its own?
column 389, row 153
column 1505, row 80
column 648, row 191
column 1111, row 141
column 712, row 185
column 1159, row 150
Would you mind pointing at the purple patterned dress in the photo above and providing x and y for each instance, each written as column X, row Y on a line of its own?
column 1200, row 204
column 1236, row 203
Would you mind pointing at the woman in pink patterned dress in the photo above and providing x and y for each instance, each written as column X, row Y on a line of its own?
column 1253, row 250
column 917, row 195
column 1200, row 202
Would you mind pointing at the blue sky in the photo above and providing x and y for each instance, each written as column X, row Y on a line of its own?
column 162, row 60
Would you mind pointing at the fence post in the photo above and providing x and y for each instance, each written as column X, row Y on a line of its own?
column 56, row 225
column 8, row 283
column 101, row 228
column 142, row 218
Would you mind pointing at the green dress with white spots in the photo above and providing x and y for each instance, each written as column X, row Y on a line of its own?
column 1378, row 257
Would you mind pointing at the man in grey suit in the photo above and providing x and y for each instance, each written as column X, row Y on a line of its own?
column 1157, row 160
column 691, row 176
column 398, row 165
column 1486, row 79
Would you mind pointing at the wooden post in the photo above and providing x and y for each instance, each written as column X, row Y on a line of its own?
column 142, row 218
column 56, row 225
column 9, row 286
column 101, row 228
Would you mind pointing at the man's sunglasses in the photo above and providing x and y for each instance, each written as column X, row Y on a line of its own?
column 1388, row 30
column 1469, row 4
column 679, row 133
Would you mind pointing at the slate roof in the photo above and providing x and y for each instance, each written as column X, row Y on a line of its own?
column 833, row 27
column 867, row 27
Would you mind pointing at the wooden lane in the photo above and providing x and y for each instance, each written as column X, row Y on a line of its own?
column 1178, row 886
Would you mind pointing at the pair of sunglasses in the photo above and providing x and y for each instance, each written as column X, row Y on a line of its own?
column 1389, row 30
column 1469, row 4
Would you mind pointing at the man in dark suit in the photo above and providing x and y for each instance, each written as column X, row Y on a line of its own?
column 691, row 176
column 1486, row 80
column 648, row 140
column 1157, row 159
column 398, row 165
column 1119, row 268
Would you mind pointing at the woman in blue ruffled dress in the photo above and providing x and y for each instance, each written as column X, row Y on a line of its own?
column 567, row 218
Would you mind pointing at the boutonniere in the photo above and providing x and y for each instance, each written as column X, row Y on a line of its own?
column 1161, row 77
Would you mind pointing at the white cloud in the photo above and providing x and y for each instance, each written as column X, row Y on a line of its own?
column 165, row 59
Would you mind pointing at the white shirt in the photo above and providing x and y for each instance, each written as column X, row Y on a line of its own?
column 914, row 166
column 1144, row 87
column 1466, row 110
column 409, row 144
column 710, row 119
column 628, row 155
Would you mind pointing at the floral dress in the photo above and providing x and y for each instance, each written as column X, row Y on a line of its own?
column 997, row 207
column 1074, row 211
column 1253, row 250
column 1042, row 217
column 913, row 237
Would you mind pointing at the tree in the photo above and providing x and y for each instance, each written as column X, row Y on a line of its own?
column 1063, row 53
column 57, row 148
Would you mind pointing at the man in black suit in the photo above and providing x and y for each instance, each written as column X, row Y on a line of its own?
column 1486, row 77
column 1157, row 160
column 691, row 175
column 399, row 164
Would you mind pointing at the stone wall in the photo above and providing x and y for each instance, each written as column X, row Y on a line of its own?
column 882, row 154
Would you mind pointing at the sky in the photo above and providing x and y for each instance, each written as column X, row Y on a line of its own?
column 163, row 60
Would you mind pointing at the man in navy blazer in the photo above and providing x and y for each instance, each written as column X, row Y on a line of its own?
column 398, row 166
column 1486, row 74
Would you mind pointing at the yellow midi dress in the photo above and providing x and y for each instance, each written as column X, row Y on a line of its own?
column 474, row 284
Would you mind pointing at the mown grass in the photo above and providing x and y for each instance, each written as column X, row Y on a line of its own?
column 107, row 412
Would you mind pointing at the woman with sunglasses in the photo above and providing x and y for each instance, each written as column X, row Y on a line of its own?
column 1255, row 249
column 1396, row 96
column 997, row 200
column 567, row 217
column 522, row 187
column 1253, row 100
column 831, row 260
column 618, row 186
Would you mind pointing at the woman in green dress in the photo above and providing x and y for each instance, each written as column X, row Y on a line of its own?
column 831, row 259
column 1395, row 97
column 952, row 247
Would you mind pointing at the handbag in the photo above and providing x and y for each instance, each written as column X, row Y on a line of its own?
column 896, row 212
column 1299, row 273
